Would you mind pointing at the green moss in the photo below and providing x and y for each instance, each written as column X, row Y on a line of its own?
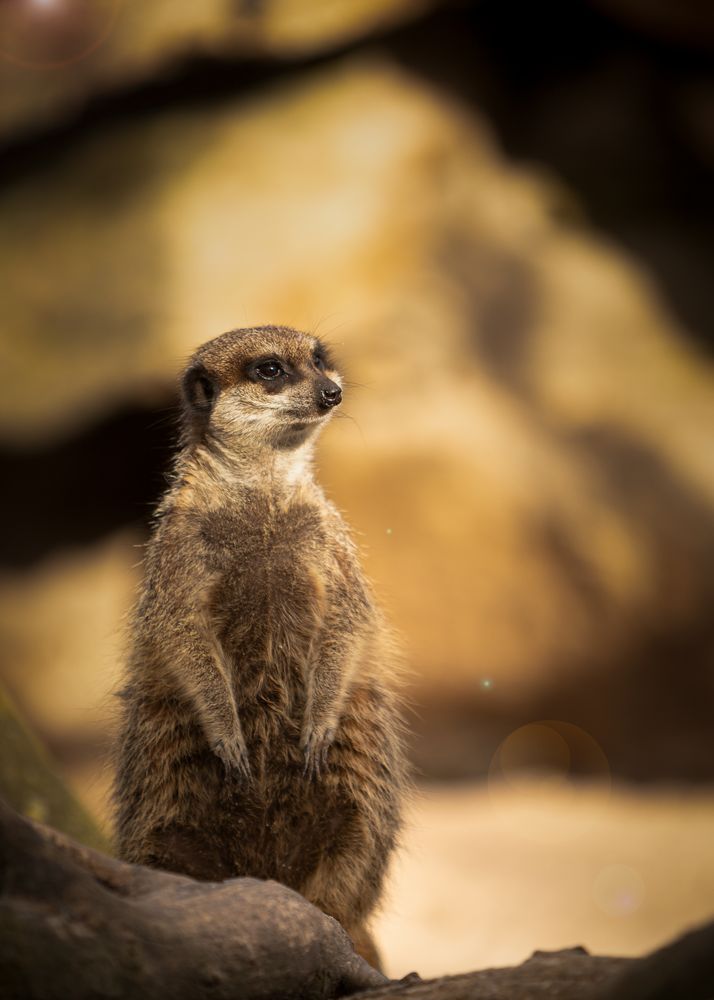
column 29, row 784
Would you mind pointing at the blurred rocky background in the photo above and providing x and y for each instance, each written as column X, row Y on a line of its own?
column 500, row 216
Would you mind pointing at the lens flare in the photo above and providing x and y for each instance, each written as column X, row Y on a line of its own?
column 54, row 34
column 551, row 752
column 535, row 771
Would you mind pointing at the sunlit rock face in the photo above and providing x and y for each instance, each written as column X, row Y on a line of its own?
column 527, row 464
column 57, row 54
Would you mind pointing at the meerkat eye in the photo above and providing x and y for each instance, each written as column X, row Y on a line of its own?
column 319, row 363
column 269, row 370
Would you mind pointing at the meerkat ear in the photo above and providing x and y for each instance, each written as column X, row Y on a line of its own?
column 199, row 389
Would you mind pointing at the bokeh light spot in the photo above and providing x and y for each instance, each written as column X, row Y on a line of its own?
column 619, row 890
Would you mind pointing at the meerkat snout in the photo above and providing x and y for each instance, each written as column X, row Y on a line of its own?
column 330, row 395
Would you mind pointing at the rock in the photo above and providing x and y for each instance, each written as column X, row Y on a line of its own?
column 76, row 923
column 687, row 23
column 55, row 57
column 528, row 457
column 64, row 638
column 561, row 975
column 682, row 970
column 63, row 645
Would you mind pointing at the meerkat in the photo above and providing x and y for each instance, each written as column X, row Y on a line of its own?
column 260, row 732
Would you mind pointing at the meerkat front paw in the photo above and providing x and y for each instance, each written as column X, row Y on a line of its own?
column 234, row 756
column 315, row 746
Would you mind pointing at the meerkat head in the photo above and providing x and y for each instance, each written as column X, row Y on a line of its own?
column 264, row 386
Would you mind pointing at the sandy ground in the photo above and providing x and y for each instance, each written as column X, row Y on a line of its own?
column 488, row 875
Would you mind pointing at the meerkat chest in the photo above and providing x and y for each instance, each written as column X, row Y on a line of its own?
column 275, row 569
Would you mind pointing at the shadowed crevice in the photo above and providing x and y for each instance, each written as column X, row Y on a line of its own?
column 77, row 490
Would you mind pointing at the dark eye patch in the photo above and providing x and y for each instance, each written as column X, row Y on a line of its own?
column 199, row 389
column 269, row 371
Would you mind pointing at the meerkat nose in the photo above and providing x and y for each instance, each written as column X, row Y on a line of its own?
column 330, row 396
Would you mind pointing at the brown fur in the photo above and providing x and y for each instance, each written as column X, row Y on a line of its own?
column 260, row 734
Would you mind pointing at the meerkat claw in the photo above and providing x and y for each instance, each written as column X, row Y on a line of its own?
column 234, row 758
column 316, row 750
column 311, row 768
column 325, row 746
